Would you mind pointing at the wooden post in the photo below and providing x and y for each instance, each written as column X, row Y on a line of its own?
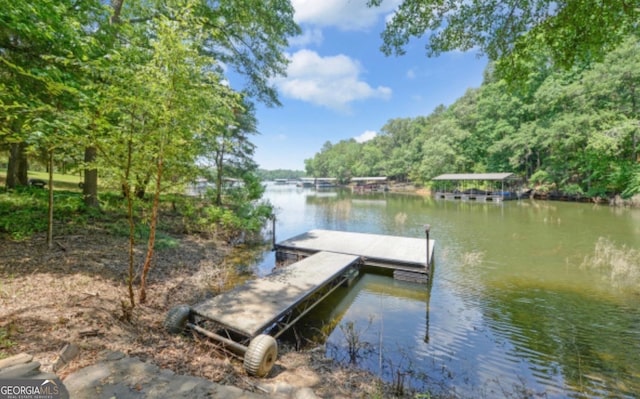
column 273, row 232
column 427, row 227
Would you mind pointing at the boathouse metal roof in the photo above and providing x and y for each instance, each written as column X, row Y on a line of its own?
column 476, row 176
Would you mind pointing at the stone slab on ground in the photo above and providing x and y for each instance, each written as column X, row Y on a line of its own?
column 23, row 371
column 20, row 358
column 121, row 377
column 22, row 366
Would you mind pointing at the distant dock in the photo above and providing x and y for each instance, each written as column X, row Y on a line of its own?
column 480, row 187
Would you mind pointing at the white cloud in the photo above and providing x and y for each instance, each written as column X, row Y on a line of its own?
column 411, row 73
column 333, row 82
column 308, row 36
column 344, row 14
column 366, row 136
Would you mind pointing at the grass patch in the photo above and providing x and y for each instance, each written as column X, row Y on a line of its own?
column 23, row 212
column 60, row 181
column 5, row 342
column 163, row 240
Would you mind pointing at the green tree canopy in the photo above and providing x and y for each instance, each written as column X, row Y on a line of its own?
column 514, row 32
column 576, row 131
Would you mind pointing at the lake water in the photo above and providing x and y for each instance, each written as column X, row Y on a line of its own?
column 528, row 297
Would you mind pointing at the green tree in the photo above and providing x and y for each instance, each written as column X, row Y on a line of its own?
column 42, row 46
column 247, row 36
column 318, row 165
column 514, row 32
column 370, row 162
column 227, row 149
column 394, row 139
column 441, row 146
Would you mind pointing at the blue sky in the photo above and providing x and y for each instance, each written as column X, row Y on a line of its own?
column 339, row 85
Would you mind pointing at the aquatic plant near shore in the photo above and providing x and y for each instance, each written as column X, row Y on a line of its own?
column 622, row 264
column 357, row 347
column 473, row 258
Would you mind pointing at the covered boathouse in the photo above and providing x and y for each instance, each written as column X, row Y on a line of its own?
column 491, row 187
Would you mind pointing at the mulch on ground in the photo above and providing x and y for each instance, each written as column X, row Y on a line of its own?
column 74, row 293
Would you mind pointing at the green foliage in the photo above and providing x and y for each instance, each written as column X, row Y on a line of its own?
column 522, row 35
column 540, row 177
column 280, row 174
column 140, row 84
column 576, row 132
column 356, row 346
column 23, row 212
column 233, row 225
column 163, row 240
column 5, row 341
column 633, row 187
column 244, row 214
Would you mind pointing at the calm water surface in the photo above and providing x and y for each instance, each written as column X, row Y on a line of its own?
column 528, row 297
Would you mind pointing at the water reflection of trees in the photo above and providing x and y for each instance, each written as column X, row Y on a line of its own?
column 593, row 344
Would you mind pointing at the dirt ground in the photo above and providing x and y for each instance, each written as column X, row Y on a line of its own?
column 73, row 293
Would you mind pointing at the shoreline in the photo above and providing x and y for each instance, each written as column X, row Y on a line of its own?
column 73, row 295
column 615, row 201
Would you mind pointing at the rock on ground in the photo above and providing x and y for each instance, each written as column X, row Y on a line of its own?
column 122, row 377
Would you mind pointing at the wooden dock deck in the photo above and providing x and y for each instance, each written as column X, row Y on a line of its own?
column 255, row 306
column 248, row 319
column 394, row 252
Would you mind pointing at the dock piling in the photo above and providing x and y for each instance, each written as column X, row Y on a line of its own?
column 273, row 231
column 427, row 228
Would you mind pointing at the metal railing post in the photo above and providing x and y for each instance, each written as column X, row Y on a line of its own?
column 427, row 228
column 273, row 232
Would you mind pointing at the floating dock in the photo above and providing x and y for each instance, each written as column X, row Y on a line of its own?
column 247, row 319
column 259, row 304
column 392, row 252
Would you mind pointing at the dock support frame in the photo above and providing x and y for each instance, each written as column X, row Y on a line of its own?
column 223, row 334
column 307, row 304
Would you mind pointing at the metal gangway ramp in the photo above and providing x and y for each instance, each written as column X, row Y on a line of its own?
column 240, row 319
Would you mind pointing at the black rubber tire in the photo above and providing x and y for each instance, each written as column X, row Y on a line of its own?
column 261, row 355
column 177, row 319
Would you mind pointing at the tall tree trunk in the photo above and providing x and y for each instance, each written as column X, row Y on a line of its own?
column 634, row 143
column 50, row 210
column 12, row 167
column 152, row 232
column 117, row 8
column 18, row 166
column 90, row 185
column 23, row 165
column 219, row 170
column 132, row 231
